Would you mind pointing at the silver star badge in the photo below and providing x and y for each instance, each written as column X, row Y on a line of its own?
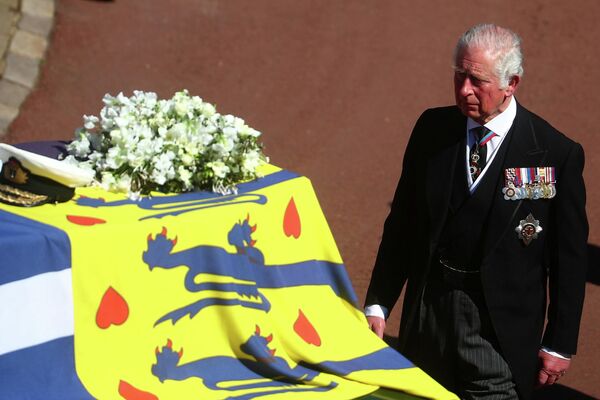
column 528, row 229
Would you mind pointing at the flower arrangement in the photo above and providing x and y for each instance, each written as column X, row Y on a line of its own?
column 141, row 144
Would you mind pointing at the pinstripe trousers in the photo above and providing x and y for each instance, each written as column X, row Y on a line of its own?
column 457, row 345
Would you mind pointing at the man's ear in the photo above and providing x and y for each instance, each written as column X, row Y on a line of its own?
column 512, row 85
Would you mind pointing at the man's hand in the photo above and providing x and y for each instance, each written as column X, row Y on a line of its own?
column 551, row 368
column 377, row 325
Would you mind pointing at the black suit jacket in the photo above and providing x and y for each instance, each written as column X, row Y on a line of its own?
column 514, row 276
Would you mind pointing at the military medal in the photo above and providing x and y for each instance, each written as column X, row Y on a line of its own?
column 528, row 229
column 529, row 183
column 510, row 192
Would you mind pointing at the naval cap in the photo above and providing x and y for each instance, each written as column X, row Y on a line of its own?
column 30, row 179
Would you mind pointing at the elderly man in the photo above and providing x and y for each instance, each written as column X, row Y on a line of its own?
column 489, row 213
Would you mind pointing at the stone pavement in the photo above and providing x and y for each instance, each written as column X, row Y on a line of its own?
column 25, row 26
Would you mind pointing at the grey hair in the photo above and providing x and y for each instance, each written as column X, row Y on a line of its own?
column 503, row 45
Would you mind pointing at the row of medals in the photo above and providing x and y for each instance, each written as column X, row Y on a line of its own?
column 532, row 191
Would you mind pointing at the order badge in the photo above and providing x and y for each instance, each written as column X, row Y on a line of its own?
column 528, row 229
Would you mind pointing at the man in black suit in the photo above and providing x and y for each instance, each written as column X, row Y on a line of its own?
column 489, row 213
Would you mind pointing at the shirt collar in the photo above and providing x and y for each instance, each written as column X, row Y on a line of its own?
column 501, row 123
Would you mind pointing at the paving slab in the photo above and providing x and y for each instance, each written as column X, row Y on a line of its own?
column 38, row 8
column 28, row 44
column 36, row 24
column 21, row 69
column 12, row 94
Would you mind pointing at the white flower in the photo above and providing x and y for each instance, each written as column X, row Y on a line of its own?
column 209, row 129
column 164, row 160
column 123, row 183
column 185, row 175
column 123, row 121
column 228, row 120
column 187, row 159
column 81, row 147
column 247, row 131
column 115, row 157
column 116, row 136
column 208, row 110
column 122, row 99
column 219, row 168
column 159, row 176
column 223, row 146
column 182, row 107
column 230, row 133
column 251, row 161
column 177, row 132
column 107, row 181
column 90, row 121
column 197, row 103
column 148, row 147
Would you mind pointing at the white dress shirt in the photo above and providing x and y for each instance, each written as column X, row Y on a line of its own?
column 500, row 125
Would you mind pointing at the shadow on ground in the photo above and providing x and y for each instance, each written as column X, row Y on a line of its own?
column 560, row 392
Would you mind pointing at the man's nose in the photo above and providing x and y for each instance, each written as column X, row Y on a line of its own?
column 466, row 88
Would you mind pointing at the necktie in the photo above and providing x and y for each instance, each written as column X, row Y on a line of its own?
column 478, row 151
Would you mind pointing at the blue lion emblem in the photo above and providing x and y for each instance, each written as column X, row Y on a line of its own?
column 245, row 272
column 262, row 368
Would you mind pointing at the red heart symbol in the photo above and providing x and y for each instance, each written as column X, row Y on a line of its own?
column 113, row 309
column 86, row 221
column 306, row 330
column 291, row 220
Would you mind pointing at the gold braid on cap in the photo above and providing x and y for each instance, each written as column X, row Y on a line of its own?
column 19, row 197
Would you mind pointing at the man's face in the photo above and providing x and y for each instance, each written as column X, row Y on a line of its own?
column 477, row 89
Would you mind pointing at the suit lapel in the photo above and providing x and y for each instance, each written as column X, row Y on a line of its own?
column 441, row 168
column 523, row 151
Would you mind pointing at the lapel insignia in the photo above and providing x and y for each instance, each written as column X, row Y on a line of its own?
column 529, row 183
column 528, row 229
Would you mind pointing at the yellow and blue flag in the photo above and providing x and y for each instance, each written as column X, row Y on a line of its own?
column 189, row 296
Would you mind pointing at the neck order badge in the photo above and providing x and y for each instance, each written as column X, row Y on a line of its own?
column 478, row 153
column 235, row 300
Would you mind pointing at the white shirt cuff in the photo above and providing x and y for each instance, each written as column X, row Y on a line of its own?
column 555, row 354
column 375, row 310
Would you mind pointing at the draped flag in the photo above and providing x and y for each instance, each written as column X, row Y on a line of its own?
column 190, row 296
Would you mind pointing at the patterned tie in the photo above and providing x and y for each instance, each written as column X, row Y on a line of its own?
column 478, row 152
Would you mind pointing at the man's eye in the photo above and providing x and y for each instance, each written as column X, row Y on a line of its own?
column 477, row 81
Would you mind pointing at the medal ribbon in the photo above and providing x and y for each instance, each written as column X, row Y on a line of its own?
column 486, row 138
column 523, row 176
column 518, row 179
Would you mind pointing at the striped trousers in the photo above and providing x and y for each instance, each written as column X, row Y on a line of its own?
column 457, row 345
